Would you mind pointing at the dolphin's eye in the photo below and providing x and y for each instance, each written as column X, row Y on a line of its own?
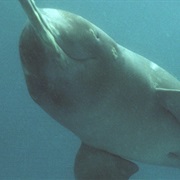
column 95, row 34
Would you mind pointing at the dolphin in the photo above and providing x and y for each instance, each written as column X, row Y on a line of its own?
column 123, row 107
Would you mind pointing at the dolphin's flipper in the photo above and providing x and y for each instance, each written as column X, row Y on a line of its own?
column 92, row 163
column 170, row 99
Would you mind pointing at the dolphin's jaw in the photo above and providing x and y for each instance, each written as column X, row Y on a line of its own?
column 45, row 30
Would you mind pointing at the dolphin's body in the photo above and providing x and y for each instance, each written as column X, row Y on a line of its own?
column 121, row 105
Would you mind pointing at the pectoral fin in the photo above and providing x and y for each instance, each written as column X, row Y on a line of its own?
column 92, row 163
column 170, row 99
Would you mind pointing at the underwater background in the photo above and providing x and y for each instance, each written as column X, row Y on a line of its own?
column 32, row 145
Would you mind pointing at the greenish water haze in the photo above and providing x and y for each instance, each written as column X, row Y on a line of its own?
column 32, row 145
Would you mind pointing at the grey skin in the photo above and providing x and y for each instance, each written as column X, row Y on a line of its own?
column 121, row 105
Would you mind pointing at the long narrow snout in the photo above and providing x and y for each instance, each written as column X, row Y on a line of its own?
column 39, row 24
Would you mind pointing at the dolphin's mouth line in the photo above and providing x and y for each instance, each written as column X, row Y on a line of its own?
column 33, row 14
column 39, row 25
column 44, row 31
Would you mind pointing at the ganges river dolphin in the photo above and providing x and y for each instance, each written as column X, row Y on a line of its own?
column 122, row 106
